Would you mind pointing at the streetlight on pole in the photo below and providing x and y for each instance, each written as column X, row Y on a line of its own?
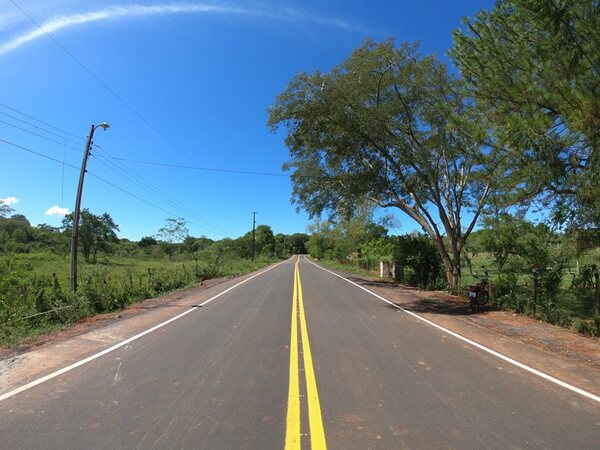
column 75, row 230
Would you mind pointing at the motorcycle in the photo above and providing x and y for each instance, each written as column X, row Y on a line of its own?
column 479, row 294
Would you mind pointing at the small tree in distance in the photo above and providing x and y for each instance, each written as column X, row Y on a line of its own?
column 5, row 210
column 173, row 233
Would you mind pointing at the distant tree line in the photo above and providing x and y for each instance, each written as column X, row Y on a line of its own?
column 98, row 236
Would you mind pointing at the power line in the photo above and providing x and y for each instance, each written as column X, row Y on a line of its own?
column 147, row 184
column 170, row 213
column 112, row 92
column 114, row 164
column 143, row 183
column 106, row 182
column 40, row 135
column 150, row 163
column 62, row 136
column 208, row 169
column 40, row 121
column 38, row 153
column 106, row 86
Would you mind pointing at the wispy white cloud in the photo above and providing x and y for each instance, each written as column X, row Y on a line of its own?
column 9, row 200
column 57, row 211
column 132, row 11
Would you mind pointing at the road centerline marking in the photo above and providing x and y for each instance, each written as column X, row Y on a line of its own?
column 292, row 434
column 317, row 433
column 315, row 419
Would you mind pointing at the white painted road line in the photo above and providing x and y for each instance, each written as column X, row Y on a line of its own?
column 509, row 360
column 126, row 341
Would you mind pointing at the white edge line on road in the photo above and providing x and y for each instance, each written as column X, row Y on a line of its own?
column 514, row 362
column 126, row 341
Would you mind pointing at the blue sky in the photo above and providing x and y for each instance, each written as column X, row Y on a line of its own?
column 183, row 83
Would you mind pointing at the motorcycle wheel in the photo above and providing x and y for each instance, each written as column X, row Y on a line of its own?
column 483, row 298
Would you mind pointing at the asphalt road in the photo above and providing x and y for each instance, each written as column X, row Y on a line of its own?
column 296, row 358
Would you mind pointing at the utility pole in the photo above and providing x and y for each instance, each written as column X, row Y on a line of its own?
column 253, row 235
column 75, row 229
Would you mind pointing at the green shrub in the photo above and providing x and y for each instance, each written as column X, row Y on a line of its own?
column 557, row 316
column 588, row 327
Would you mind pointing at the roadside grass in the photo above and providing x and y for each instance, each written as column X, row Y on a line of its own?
column 35, row 296
column 351, row 268
column 570, row 308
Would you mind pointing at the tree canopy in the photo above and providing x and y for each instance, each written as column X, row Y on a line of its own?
column 533, row 67
column 393, row 127
column 95, row 232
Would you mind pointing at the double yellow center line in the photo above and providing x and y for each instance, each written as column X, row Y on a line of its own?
column 317, row 433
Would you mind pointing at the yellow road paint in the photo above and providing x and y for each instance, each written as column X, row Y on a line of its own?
column 292, row 432
column 317, row 433
column 315, row 420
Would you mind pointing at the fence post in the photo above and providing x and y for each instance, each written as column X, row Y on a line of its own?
column 597, row 282
column 535, row 273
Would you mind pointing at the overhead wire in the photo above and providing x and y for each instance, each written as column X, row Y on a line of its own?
column 4, row 105
column 111, row 91
column 38, row 154
column 40, row 135
column 150, row 203
column 208, row 169
column 145, row 184
column 80, row 141
column 124, row 172
column 115, row 163
column 99, row 80
column 118, row 167
column 115, row 186
column 116, row 158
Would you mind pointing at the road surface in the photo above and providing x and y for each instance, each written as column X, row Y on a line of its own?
column 297, row 358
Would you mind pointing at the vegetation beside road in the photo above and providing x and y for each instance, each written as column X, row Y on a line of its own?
column 562, row 290
column 34, row 268
column 498, row 162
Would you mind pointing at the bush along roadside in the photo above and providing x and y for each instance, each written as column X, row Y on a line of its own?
column 540, row 295
column 31, row 306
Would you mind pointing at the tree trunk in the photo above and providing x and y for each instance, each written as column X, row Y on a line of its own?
column 452, row 273
column 456, row 272
column 456, row 269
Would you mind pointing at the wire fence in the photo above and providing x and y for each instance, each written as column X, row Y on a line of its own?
column 20, row 319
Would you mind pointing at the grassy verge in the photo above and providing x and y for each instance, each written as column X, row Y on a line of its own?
column 350, row 268
column 569, row 309
column 35, row 298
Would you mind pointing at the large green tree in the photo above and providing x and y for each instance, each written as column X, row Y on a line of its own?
column 264, row 244
column 533, row 67
column 393, row 127
column 95, row 232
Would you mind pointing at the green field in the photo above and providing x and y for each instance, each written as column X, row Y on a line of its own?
column 35, row 296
